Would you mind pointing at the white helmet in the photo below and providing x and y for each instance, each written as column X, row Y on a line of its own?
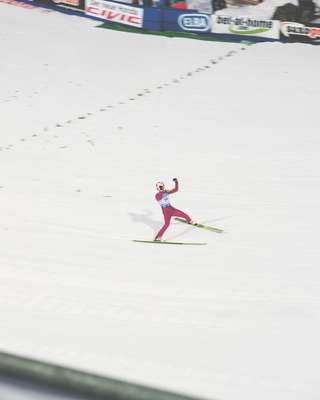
column 160, row 186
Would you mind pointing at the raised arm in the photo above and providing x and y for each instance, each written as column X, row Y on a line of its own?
column 176, row 186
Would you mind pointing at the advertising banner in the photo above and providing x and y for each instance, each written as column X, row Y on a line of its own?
column 194, row 22
column 186, row 21
column 152, row 18
column 79, row 4
column 246, row 26
column 18, row 3
column 115, row 12
column 70, row 3
column 296, row 32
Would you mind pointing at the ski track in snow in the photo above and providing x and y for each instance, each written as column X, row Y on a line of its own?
column 52, row 130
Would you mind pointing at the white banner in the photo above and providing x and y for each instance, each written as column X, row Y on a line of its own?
column 246, row 26
column 114, row 12
column 295, row 29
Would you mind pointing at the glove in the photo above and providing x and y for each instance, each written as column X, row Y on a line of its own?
column 175, row 180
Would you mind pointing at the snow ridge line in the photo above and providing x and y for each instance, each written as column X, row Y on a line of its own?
column 142, row 93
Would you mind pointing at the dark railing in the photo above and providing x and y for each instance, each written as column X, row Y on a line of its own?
column 76, row 382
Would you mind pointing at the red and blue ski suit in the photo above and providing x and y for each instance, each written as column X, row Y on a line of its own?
column 168, row 211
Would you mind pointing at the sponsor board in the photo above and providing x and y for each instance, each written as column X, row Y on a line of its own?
column 73, row 3
column 17, row 3
column 246, row 26
column 194, row 22
column 115, row 12
column 297, row 31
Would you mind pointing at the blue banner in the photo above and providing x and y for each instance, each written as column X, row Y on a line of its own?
column 186, row 21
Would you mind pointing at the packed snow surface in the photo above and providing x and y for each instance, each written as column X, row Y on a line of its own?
column 90, row 120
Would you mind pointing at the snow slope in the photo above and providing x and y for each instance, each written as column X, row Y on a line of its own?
column 90, row 120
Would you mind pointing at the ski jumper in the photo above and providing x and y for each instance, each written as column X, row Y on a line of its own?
column 167, row 209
